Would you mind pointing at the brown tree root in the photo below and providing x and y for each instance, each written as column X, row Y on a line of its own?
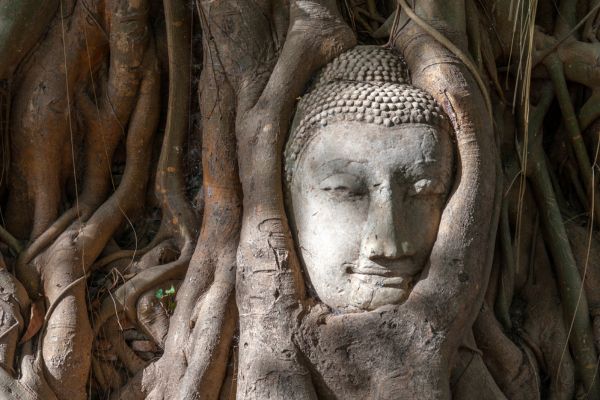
column 571, row 289
column 14, row 308
column 436, row 69
column 66, row 337
column 258, row 57
column 42, row 139
column 269, row 286
column 210, row 279
column 513, row 371
column 125, row 298
column 31, row 386
column 130, row 360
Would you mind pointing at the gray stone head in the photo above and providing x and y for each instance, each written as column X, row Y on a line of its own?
column 368, row 168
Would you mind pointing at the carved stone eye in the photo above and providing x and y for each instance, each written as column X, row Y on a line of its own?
column 427, row 187
column 343, row 185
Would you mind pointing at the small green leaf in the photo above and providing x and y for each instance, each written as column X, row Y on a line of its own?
column 159, row 294
column 170, row 291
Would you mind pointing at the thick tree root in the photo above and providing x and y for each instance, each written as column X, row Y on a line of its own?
column 91, row 90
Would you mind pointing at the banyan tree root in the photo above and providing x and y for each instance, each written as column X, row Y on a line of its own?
column 436, row 68
column 68, row 128
column 14, row 312
column 122, row 102
column 178, row 216
column 77, row 47
column 71, row 255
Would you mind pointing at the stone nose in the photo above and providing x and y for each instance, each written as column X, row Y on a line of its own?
column 383, row 237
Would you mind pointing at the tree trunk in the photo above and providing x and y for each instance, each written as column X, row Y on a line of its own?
column 299, row 199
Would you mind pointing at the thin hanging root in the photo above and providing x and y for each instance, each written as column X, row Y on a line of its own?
column 507, row 274
column 570, row 283
column 590, row 111
column 555, row 68
column 170, row 185
column 10, row 240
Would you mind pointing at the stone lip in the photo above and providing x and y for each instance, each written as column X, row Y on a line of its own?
column 399, row 275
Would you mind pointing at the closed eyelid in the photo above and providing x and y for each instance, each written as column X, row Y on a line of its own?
column 341, row 177
column 345, row 185
column 427, row 186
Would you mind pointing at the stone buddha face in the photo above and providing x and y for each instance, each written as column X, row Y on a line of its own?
column 367, row 184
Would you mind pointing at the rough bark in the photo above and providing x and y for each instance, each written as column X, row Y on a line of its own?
column 194, row 287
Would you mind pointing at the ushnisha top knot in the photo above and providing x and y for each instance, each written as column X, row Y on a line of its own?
column 364, row 64
column 367, row 84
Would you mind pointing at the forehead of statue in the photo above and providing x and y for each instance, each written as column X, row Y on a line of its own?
column 362, row 148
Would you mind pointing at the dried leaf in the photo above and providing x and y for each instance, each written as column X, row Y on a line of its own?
column 36, row 320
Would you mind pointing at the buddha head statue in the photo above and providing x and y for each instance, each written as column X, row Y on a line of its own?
column 368, row 169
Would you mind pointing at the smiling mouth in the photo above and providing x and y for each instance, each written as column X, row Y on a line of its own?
column 384, row 277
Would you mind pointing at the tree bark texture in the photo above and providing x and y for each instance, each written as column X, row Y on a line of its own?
column 147, row 250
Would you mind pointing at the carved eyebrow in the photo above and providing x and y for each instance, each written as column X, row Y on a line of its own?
column 429, row 161
column 340, row 162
